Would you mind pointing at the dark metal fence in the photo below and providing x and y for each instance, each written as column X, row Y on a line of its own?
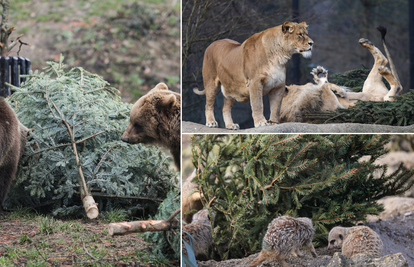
column 13, row 68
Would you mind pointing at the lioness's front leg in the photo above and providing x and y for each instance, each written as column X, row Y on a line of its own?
column 275, row 99
column 211, row 92
column 256, row 102
column 228, row 121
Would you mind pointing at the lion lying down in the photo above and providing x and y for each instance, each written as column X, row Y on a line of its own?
column 309, row 98
column 325, row 96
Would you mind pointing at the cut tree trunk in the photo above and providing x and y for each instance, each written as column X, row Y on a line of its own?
column 125, row 228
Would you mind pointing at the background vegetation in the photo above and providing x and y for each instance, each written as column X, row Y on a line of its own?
column 132, row 44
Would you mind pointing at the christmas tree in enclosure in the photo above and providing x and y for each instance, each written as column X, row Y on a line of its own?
column 251, row 179
column 77, row 121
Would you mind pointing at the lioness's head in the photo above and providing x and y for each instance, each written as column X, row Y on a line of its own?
column 297, row 37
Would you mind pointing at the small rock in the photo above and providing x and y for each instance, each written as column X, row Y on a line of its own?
column 366, row 260
column 338, row 260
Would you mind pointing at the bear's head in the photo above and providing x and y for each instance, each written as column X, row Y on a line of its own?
column 154, row 118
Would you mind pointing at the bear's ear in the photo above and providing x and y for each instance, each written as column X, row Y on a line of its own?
column 288, row 27
column 168, row 100
column 161, row 86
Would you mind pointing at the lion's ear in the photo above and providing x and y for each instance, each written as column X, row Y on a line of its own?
column 288, row 27
column 304, row 24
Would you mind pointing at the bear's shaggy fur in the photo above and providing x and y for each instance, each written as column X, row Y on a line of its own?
column 12, row 143
column 155, row 119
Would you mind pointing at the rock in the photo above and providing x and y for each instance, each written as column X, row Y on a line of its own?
column 393, row 161
column 393, row 207
column 293, row 127
column 366, row 260
column 396, row 206
column 338, row 260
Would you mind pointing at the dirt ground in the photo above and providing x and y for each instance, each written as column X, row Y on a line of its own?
column 41, row 242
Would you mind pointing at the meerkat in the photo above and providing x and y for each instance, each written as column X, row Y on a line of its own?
column 191, row 198
column 354, row 240
column 286, row 235
column 200, row 230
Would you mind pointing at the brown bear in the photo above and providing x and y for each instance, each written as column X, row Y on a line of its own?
column 12, row 143
column 156, row 119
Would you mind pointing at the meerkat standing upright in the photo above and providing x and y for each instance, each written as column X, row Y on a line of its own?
column 200, row 230
column 354, row 240
column 286, row 235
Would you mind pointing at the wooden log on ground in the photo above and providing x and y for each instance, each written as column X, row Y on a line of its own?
column 125, row 228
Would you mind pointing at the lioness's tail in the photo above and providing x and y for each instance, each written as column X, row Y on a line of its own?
column 195, row 89
column 383, row 32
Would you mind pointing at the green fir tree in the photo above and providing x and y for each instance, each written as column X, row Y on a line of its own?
column 77, row 121
column 251, row 179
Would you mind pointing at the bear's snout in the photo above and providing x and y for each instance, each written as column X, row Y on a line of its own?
column 125, row 139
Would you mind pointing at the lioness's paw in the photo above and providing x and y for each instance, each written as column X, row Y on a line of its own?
column 365, row 43
column 212, row 124
column 383, row 70
column 233, row 126
column 262, row 123
column 340, row 92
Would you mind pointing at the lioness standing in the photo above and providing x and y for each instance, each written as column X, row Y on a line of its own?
column 248, row 71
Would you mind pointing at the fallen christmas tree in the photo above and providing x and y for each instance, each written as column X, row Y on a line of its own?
column 250, row 179
column 399, row 112
column 75, row 149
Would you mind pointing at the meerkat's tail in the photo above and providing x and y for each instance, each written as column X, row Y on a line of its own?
column 264, row 255
column 196, row 90
column 383, row 32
